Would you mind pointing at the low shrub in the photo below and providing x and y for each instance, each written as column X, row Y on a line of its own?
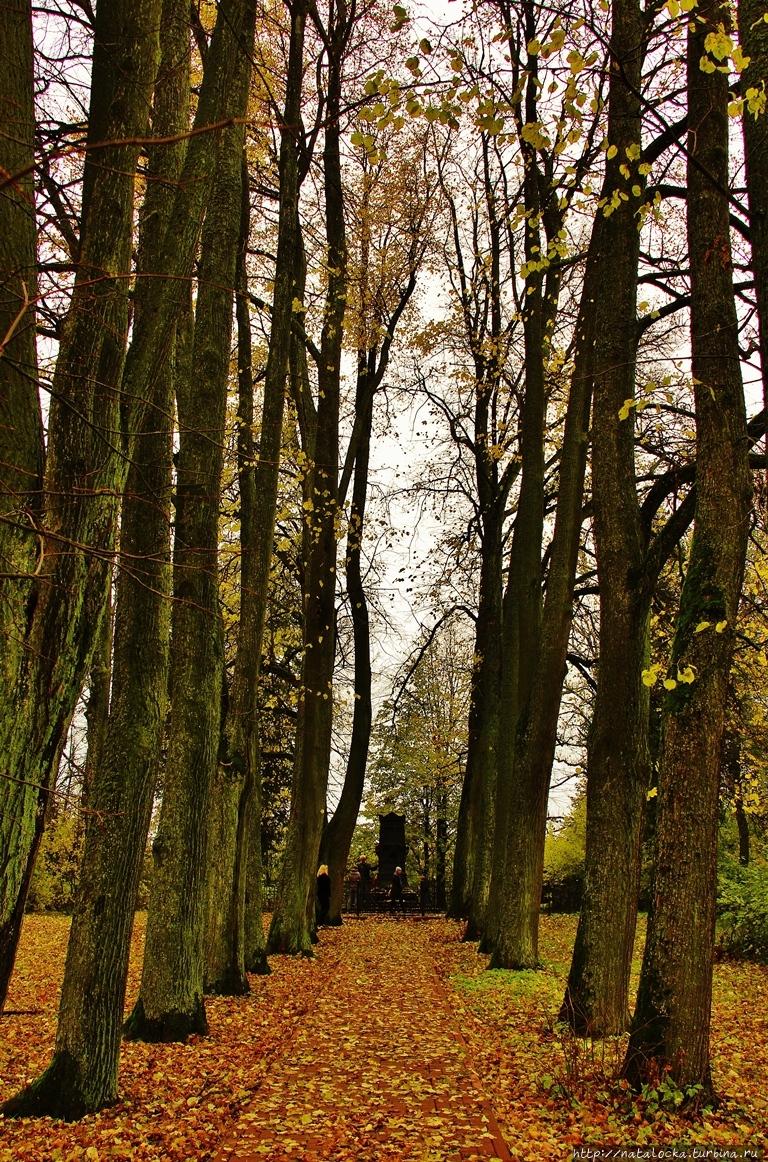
column 742, row 911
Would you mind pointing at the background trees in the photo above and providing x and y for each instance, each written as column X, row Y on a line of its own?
column 495, row 232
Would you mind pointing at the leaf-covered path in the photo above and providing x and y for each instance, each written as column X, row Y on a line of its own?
column 378, row 1069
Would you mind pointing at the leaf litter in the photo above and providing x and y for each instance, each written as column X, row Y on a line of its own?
column 394, row 1044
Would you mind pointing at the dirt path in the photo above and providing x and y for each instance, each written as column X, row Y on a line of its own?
column 378, row 1069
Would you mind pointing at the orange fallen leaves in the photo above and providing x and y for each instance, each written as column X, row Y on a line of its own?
column 365, row 1054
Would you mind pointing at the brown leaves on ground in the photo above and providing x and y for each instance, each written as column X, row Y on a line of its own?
column 551, row 1090
column 176, row 1100
column 365, row 1054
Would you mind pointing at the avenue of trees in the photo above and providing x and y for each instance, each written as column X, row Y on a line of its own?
column 246, row 249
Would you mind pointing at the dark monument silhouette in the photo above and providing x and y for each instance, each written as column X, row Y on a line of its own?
column 391, row 848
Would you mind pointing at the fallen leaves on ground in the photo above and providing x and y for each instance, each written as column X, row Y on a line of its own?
column 394, row 1044
column 551, row 1091
column 176, row 1101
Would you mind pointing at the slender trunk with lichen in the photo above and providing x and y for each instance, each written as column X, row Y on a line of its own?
column 21, row 448
column 170, row 1005
column 670, row 1029
column 337, row 837
column 290, row 928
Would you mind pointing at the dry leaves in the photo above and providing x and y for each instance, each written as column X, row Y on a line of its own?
column 394, row 1044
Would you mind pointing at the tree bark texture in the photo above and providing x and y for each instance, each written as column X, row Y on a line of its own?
column 122, row 771
column 85, row 469
column 290, row 929
column 170, row 1004
column 597, row 996
column 672, row 1018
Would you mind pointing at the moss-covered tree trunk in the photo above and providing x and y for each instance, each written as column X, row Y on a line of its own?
column 85, row 468
column 170, row 1004
column 21, row 441
column 672, row 1018
column 596, row 1000
column 290, row 929
column 82, row 1076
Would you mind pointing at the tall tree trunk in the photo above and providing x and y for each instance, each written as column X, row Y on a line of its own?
column 522, row 612
column 484, row 724
column 21, row 450
column 596, row 1000
column 522, row 870
column 337, row 837
column 85, row 467
column 290, row 929
column 672, row 1017
column 86, row 473
column 170, row 1004
column 258, row 499
column 82, row 1076
column 475, row 825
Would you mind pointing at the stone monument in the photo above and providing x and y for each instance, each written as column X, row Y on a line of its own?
column 391, row 848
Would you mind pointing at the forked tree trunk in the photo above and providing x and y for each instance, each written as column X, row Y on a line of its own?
column 672, row 1019
column 170, row 1004
column 517, row 937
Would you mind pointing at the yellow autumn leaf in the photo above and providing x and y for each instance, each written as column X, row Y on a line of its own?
column 721, row 626
column 702, row 626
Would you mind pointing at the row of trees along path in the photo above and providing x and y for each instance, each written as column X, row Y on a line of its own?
column 378, row 1069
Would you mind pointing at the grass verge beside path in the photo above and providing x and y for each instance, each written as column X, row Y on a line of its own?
column 552, row 1091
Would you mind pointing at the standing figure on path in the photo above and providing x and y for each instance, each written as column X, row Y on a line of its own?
column 355, row 887
column 423, row 894
column 323, row 894
column 396, row 891
column 365, row 881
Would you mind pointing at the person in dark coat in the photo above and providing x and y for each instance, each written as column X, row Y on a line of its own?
column 365, row 880
column 424, row 894
column 323, row 894
column 396, row 891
